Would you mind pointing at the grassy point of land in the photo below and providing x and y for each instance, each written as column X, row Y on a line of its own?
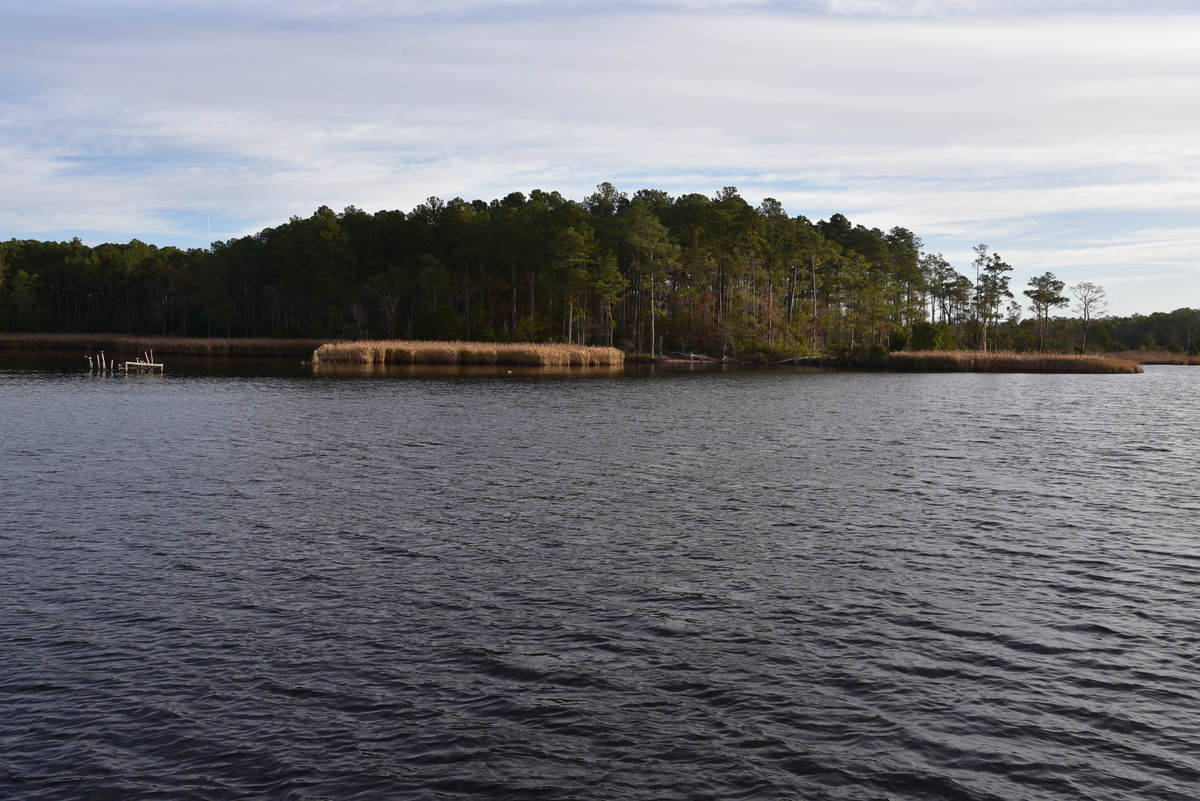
column 981, row 362
column 525, row 354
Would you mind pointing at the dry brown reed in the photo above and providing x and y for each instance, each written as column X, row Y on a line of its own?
column 980, row 362
column 164, row 346
column 525, row 354
column 1154, row 357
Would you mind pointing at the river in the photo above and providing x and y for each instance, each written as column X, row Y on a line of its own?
column 235, row 582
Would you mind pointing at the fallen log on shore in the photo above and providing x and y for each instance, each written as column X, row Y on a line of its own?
column 692, row 357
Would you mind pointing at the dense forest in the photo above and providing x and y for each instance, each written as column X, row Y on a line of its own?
column 647, row 273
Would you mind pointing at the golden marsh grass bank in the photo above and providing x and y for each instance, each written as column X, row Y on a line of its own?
column 1154, row 357
column 397, row 352
column 980, row 362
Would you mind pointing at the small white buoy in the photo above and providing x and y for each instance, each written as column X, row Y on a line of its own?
column 510, row 372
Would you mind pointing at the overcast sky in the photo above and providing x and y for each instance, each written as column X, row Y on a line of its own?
column 1065, row 135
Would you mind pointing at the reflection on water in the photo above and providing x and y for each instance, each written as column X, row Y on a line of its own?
column 659, row 584
column 462, row 371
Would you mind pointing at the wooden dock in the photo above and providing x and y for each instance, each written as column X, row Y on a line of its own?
column 140, row 366
column 143, row 364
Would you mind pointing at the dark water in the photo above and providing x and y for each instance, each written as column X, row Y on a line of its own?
column 738, row 585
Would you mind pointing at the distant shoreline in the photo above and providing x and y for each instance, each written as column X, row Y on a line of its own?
column 398, row 352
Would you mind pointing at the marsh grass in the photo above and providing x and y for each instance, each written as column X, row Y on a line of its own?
column 396, row 352
column 980, row 362
column 163, row 346
column 461, row 353
column 1155, row 357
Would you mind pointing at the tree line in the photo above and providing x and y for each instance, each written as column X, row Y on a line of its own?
column 649, row 273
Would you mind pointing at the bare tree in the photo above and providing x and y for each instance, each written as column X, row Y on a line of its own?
column 980, row 318
column 388, row 290
column 1090, row 302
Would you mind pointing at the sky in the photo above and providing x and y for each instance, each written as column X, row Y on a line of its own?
column 1064, row 135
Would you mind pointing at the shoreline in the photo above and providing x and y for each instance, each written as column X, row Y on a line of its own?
column 400, row 352
column 956, row 361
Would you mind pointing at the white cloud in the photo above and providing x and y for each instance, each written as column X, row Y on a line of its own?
column 147, row 121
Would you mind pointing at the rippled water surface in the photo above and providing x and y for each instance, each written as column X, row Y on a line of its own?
column 632, row 586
